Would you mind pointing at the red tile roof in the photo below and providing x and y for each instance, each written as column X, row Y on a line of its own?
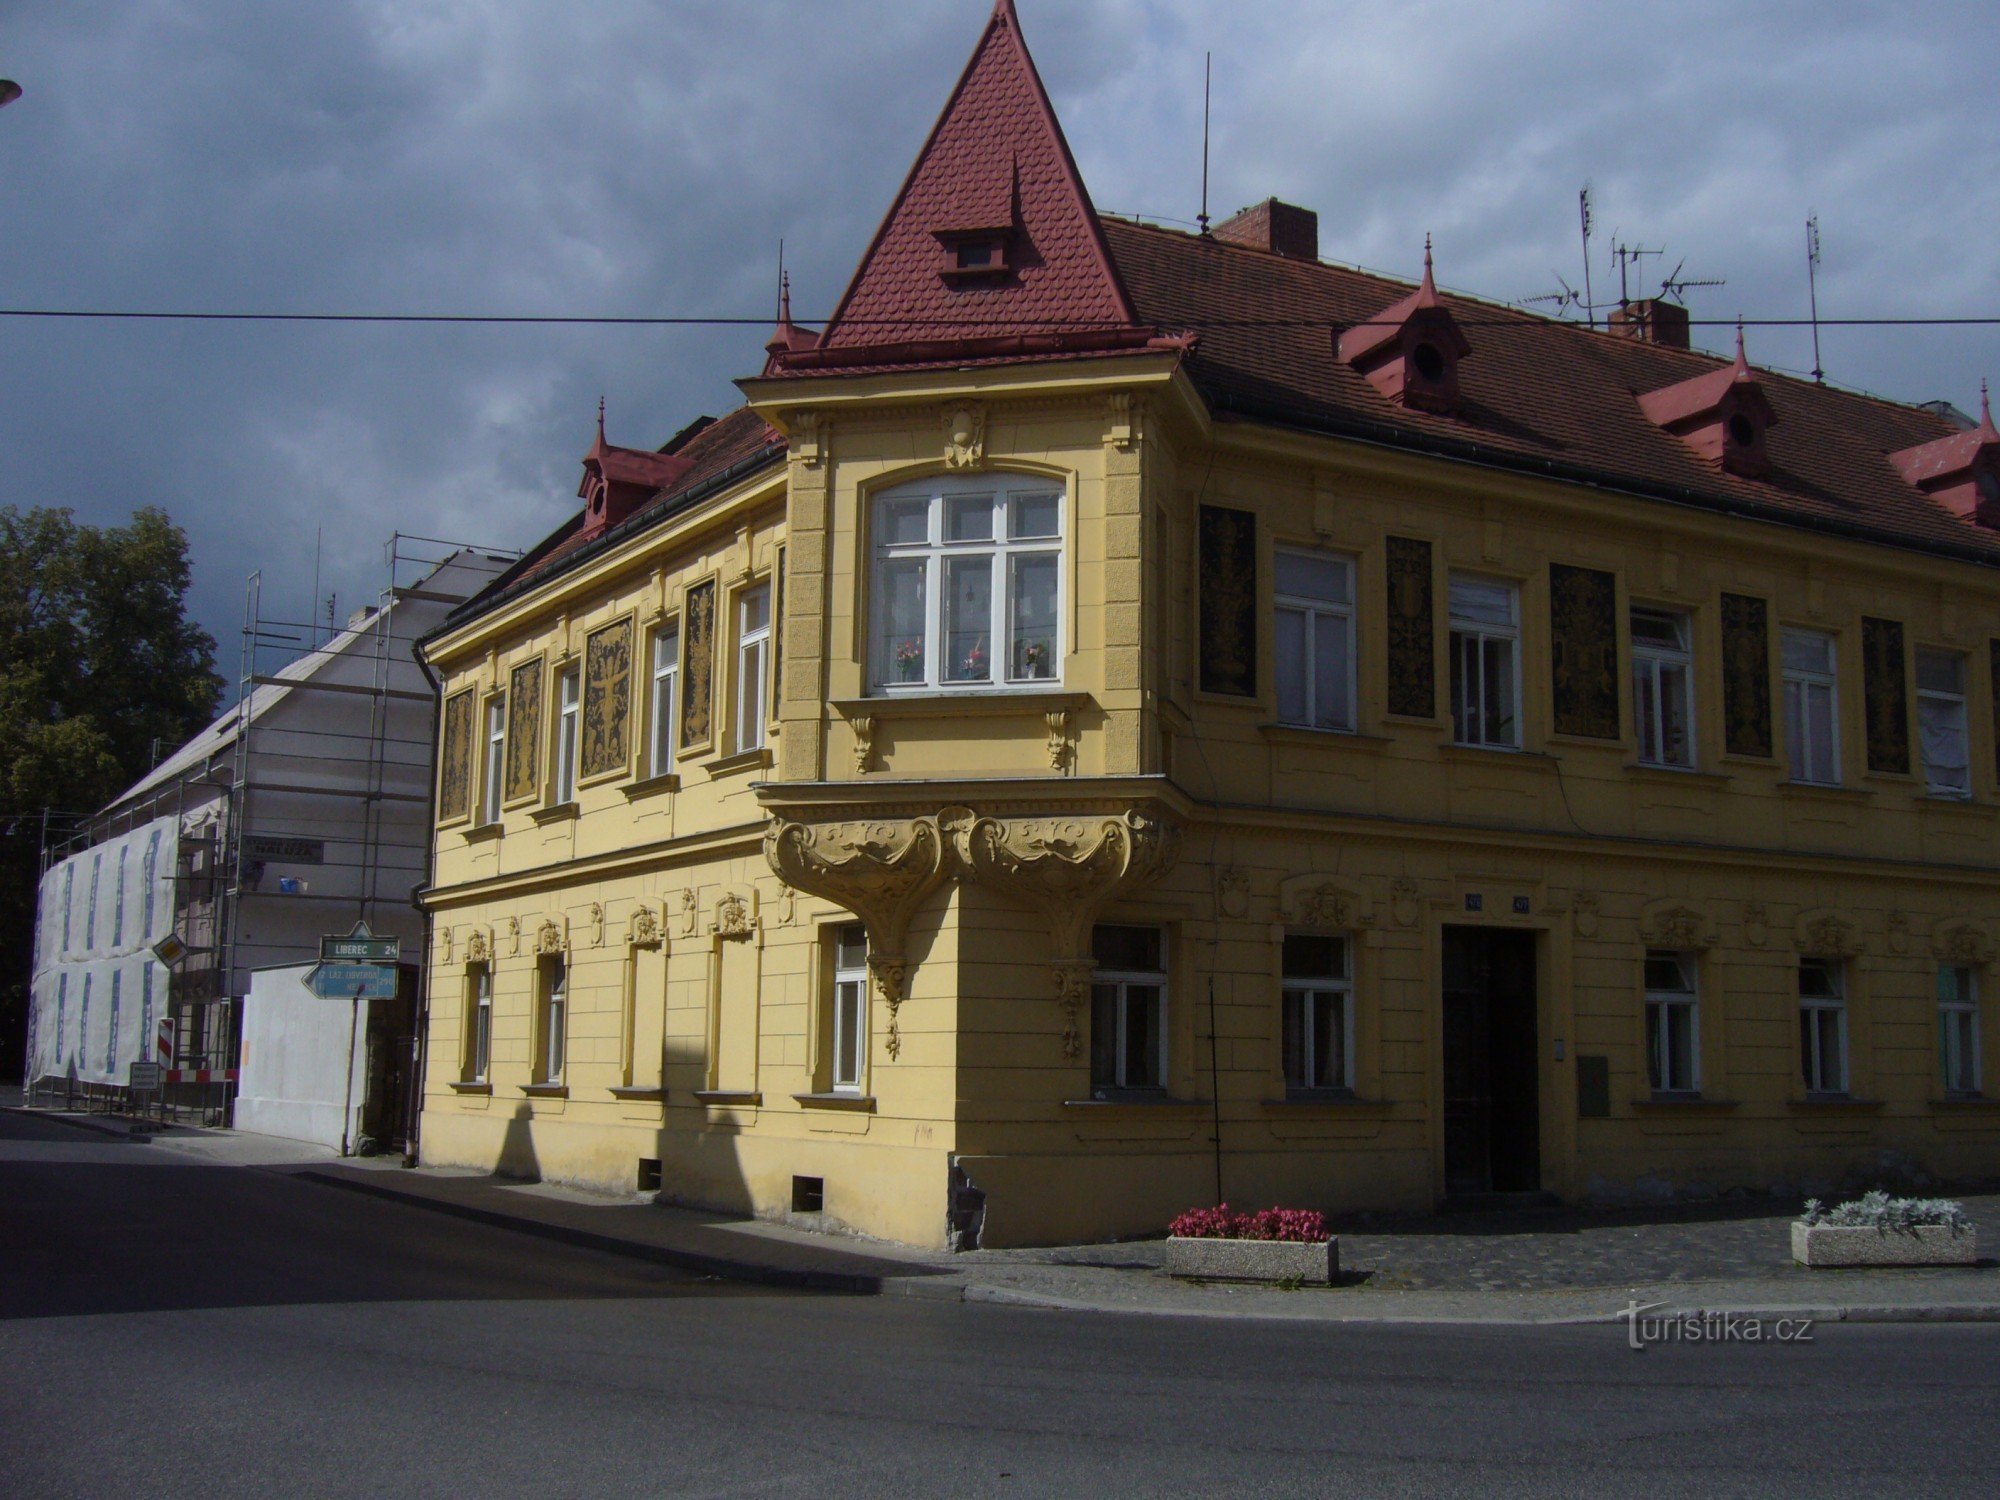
column 1538, row 394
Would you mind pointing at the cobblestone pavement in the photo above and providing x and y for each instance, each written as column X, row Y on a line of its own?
column 1550, row 1250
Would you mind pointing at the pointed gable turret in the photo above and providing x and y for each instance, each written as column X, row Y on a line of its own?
column 992, row 248
column 1960, row 472
column 1722, row 416
column 1410, row 350
column 617, row 481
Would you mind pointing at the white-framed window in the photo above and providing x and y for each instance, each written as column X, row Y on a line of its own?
column 849, row 1051
column 1317, row 995
column 1663, row 687
column 1128, row 1009
column 568, row 708
column 1314, row 639
column 666, row 682
column 553, row 977
column 753, row 655
column 1812, row 706
column 496, row 759
column 478, row 1022
column 1673, row 1023
column 1941, row 723
column 1958, row 1028
column 1485, row 662
column 1823, row 1025
column 967, row 585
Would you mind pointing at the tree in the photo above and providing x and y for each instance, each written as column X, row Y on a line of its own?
column 98, row 662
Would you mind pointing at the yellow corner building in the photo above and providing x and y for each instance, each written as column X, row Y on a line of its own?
column 1125, row 718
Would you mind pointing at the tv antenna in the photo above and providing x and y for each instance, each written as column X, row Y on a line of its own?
column 1564, row 300
column 1207, row 85
column 1583, row 213
column 1812, row 290
column 1676, row 284
column 1627, row 257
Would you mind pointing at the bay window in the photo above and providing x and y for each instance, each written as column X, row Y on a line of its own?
column 1314, row 635
column 1485, row 662
column 1317, row 995
column 1673, row 1063
column 967, row 585
column 1662, row 688
column 1128, row 1009
column 1812, row 723
column 1941, row 731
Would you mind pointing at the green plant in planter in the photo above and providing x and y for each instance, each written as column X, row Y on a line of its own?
column 1885, row 1214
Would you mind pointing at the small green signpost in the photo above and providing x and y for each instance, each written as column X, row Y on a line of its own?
column 358, row 966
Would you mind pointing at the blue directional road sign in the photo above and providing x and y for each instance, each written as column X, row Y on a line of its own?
column 353, row 981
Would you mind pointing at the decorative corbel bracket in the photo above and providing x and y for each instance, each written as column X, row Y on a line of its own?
column 964, row 436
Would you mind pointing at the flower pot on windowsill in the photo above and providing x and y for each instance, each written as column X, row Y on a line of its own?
column 1823, row 1245
column 1308, row 1263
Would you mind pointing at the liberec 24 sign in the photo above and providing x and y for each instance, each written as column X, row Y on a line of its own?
column 360, row 946
column 358, row 966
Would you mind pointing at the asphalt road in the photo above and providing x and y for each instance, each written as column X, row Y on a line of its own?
column 172, row 1328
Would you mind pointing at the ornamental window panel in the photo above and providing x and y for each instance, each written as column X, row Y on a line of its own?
column 967, row 586
column 1317, row 997
column 1823, row 1025
column 666, row 682
column 1941, row 723
column 1485, row 662
column 1663, row 688
column 1812, row 706
column 849, row 1049
column 1673, row 1024
column 568, row 709
column 1958, row 1028
column 1313, row 639
column 1128, row 1009
column 753, row 655
column 492, row 784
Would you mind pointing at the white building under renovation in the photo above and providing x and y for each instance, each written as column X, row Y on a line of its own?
column 177, row 927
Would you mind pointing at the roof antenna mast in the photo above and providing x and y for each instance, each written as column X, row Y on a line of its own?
column 1583, row 212
column 1812, row 290
column 1207, row 83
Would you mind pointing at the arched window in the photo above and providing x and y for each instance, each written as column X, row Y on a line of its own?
column 967, row 584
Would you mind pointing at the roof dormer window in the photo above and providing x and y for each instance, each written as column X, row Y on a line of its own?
column 1960, row 472
column 976, row 254
column 1721, row 416
column 1410, row 351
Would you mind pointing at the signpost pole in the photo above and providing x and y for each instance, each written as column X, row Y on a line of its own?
column 347, row 1096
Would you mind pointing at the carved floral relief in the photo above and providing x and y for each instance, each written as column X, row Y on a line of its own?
column 607, row 698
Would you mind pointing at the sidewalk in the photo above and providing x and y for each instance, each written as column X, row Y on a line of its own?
column 1556, row 1268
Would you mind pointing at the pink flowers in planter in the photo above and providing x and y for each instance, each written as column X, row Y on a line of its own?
column 1300, row 1225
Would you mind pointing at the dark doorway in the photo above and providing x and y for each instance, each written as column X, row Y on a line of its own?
column 1492, row 1118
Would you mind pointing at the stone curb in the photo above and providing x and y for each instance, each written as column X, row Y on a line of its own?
column 123, row 1132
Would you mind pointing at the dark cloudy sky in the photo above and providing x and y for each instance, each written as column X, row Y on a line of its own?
column 646, row 156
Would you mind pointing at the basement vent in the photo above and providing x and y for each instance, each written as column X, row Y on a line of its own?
column 649, row 1174
column 808, row 1195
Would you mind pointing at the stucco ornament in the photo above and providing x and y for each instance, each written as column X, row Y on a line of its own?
column 1232, row 891
column 1061, row 751
column 478, row 947
column 1670, row 924
column 549, row 938
column 1962, row 943
column 879, row 870
column 1406, row 901
column 965, row 436
column 1756, row 923
column 514, row 937
column 690, row 912
column 1825, row 934
column 1317, row 901
column 1899, row 932
column 863, row 726
column 1068, row 868
column 733, row 918
column 645, row 931
column 444, row 944
column 597, row 924
column 807, row 432
column 1584, row 911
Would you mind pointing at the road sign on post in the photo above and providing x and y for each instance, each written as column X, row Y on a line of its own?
column 345, row 981
column 360, row 946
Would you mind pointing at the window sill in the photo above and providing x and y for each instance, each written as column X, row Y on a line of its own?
column 1429, row 723
column 859, row 1103
column 1301, row 734
column 1691, row 1104
column 1589, row 741
column 1337, row 1101
column 1676, row 775
column 1832, row 791
column 469, row 1086
column 561, row 812
column 953, row 703
column 715, row 1098
column 1137, row 1102
column 653, row 786
column 741, row 761
column 641, row 1094
column 1493, row 754
column 1972, row 1103
column 546, row 1090
column 1834, row 1104
column 1952, row 805
column 485, row 833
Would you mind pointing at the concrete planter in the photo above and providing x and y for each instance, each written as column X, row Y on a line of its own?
column 1253, row 1260
column 1820, row 1245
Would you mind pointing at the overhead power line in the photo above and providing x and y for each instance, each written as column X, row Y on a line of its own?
column 594, row 320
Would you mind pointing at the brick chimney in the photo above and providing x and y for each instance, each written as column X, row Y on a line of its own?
column 1653, row 320
column 1282, row 228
